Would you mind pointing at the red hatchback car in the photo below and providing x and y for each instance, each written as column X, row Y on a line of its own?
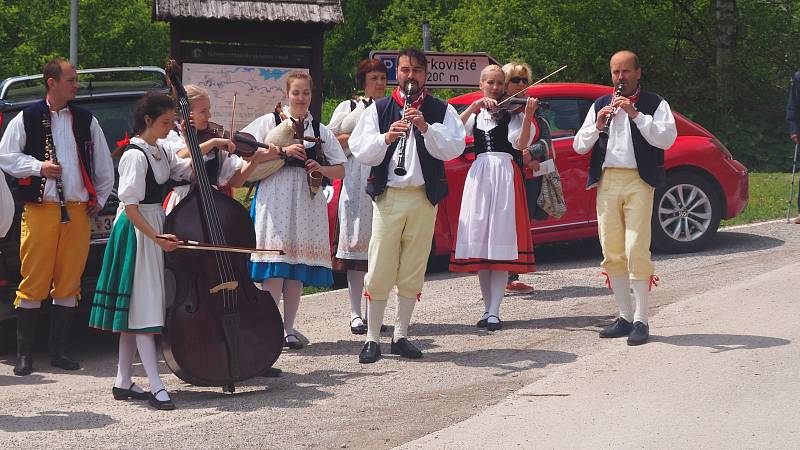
column 704, row 183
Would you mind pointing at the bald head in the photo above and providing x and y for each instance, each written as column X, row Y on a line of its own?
column 625, row 70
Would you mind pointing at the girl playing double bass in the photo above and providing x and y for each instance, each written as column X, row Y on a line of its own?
column 493, row 237
column 130, row 298
column 287, row 216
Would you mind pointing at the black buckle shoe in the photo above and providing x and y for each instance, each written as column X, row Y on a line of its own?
column 294, row 344
column 640, row 334
column 24, row 365
column 126, row 394
column 494, row 326
column 405, row 349
column 358, row 329
column 619, row 328
column 370, row 353
column 165, row 405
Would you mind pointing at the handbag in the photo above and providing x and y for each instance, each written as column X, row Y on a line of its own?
column 551, row 193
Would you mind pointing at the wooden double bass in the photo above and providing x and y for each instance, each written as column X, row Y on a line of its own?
column 221, row 328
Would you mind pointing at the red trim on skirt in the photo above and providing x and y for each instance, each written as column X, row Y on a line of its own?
column 525, row 259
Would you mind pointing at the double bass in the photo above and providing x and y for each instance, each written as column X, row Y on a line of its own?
column 221, row 329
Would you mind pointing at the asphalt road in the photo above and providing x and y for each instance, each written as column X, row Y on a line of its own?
column 327, row 400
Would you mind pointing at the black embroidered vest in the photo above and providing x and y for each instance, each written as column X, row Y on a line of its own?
column 153, row 192
column 389, row 112
column 496, row 139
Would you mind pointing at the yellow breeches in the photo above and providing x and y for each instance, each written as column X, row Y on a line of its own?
column 402, row 233
column 53, row 254
column 624, row 211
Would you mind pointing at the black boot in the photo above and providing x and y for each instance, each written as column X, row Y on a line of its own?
column 60, row 325
column 26, row 339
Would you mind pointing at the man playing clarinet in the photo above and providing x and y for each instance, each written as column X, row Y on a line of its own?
column 405, row 139
column 627, row 135
column 65, row 174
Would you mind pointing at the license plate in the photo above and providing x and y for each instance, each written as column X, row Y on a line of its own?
column 101, row 228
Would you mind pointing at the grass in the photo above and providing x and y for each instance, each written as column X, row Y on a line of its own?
column 769, row 194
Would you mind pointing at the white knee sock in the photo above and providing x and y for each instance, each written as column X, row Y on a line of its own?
column 127, row 351
column 146, row 343
column 29, row 304
column 485, row 280
column 68, row 302
column 292, row 289
column 375, row 317
column 405, row 307
column 498, row 289
column 621, row 286
column 355, row 285
column 640, row 291
column 275, row 288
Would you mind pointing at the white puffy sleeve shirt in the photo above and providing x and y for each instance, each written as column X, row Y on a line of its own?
column 16, row 163
column 133, row 170
column 330, row 147
column 174, row 143
column 6, row 206
column 444, row 141
column 658, row 130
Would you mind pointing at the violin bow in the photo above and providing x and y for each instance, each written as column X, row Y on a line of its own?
column 233, row 113
column 534, row 84
column 194, row 245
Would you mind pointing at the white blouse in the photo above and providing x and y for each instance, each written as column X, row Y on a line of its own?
column 330, row 146
column 230, row 163
column 133, row 170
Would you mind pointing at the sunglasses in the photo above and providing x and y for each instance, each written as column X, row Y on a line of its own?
column 518, row 80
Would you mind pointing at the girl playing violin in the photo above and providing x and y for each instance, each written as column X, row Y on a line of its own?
column 287, row 216
column 493, row 237
column 130, row 298
column 355, row 206
column 225, row 169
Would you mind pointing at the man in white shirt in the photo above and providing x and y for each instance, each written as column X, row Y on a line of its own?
column 627, row 135
column 404, row 200
column 65, row 174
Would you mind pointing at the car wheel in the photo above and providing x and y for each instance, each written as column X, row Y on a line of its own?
column 686, row 214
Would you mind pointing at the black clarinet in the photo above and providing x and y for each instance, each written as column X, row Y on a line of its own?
column 617, row 93
column 400, row 170
column 50, row 155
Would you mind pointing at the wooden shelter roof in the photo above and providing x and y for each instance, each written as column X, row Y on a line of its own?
column 323, row 12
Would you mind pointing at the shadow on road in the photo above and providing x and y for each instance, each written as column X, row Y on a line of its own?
column 568, row 323
column 731, row 243
column 552, row 295
column 509, row 361
column 55, row 420
column 722, row 342
column 34, row 378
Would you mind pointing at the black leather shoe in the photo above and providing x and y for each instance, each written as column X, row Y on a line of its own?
column 370, row 353
column 482, row 323
column 360, row 328
column 619, row 328
column 294, row 344
column 640, row 334
column 272, row 372
column 405, row 349
column 494, row 326
column 165, row 405
column 64, row 362
column 24, row 365
column 126, row 394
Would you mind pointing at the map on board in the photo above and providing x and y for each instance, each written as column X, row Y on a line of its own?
column 257, row 89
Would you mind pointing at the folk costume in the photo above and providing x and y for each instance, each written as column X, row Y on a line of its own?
column 287, row 217
column 355, row 216
column 53, row 254
column 404, row 207
column 493, row 227
column 130, row 298
column 626, row 167
column 220, row 167
column 6, row 206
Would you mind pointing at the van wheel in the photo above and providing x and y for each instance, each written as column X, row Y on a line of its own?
column 686, row 214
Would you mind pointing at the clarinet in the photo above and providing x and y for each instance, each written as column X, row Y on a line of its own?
column 617, row 93
column 50, row 155
column 400, row 170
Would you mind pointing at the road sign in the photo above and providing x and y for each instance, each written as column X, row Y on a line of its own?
column 445, row 70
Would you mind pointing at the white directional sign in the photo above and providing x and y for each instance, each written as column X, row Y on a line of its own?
column 445, row 70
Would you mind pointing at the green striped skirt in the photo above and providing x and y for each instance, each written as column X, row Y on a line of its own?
column 112, row 296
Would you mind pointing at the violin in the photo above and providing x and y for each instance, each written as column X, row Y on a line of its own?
column 246, row 144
